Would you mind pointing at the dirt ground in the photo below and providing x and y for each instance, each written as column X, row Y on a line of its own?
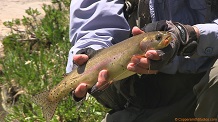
column 11, row 9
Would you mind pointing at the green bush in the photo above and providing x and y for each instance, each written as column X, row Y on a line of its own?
column 35, row 61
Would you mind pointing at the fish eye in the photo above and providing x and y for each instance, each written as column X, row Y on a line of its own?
column 158, row 37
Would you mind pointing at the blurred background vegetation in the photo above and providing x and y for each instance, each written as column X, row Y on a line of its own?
column 35, row 60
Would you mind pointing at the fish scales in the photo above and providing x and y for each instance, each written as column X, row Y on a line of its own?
column 114, row 59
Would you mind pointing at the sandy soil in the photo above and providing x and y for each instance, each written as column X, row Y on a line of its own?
column 15, row 9
column 11, row 9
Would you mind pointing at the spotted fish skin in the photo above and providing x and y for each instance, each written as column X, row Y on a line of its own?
column 114, row 59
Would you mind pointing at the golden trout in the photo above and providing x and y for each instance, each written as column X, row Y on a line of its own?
column 114, row 59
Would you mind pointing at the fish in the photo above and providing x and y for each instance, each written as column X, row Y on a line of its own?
column 114, row 59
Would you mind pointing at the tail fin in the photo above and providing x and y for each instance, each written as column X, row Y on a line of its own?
column 48, row 107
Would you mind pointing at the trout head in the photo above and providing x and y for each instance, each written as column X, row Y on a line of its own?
column 156, row 40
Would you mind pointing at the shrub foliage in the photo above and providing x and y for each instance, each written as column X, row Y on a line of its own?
column 35, row 61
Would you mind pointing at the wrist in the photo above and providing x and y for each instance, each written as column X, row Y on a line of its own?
column 188, row 37
column 197, row 32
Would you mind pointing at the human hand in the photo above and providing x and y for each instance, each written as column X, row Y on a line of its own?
column 185, row 36
column 184, row 43
column 82, row 89
column 142, row 65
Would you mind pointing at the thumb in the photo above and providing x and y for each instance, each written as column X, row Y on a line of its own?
column 81, row 90
column 136, row 31
column 80, row 59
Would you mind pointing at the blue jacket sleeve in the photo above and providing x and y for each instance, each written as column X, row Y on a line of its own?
column 208, row 41
column 207, row 47
column 96, row 24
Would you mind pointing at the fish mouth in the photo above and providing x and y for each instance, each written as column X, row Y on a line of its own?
column 167, row 40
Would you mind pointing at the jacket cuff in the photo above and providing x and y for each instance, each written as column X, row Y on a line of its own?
column 77, row 99
column 208, row 39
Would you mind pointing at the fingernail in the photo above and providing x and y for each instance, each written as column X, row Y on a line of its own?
column 104, row 74
column 149, row 55
column 130, row 66
column 84, row 88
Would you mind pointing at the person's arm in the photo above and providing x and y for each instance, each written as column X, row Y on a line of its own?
column 96, row 24
column 208, row 39
column 200, row 40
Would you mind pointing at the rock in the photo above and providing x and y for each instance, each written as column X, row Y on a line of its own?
column 2, row 55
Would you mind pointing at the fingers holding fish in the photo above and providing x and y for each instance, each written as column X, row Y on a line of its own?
column 80, row 59
column 141, row 70
column 136, row 31
column 80, row 91
column 153, row 55
column 102, row 80
column 141, row 64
